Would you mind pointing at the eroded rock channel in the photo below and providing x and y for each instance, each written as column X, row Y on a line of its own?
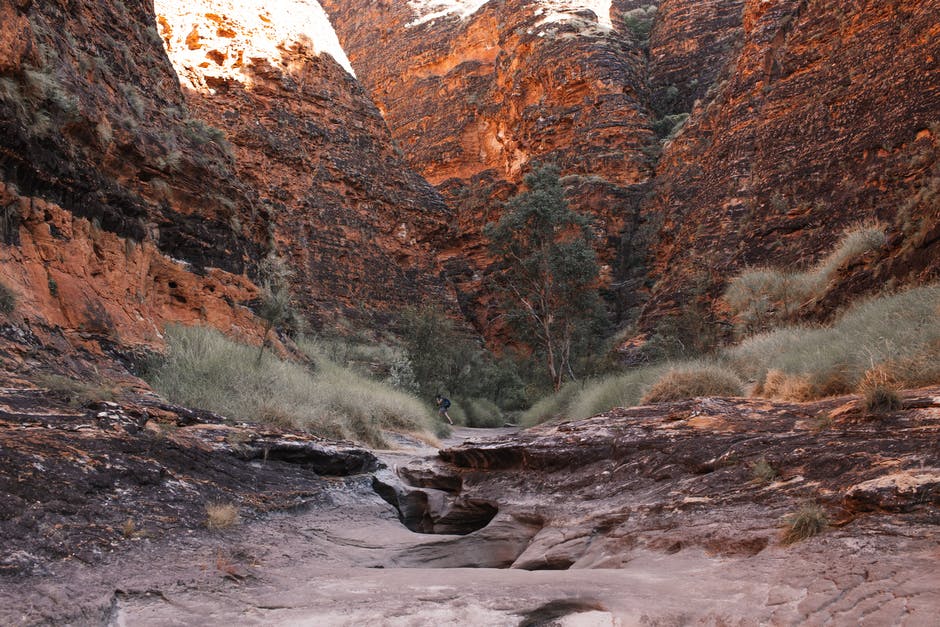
column 651, row 514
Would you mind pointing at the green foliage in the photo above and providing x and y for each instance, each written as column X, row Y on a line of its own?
column 668, row 126
column 762, row 471
column 639, row 23
column 7, row 299
column 547, row 273
column 880, row 399
column 577, row 400
column 275, row 306
column 764, row 298
column 202, row 368
column 440, row 359
column 201, row 133
column 481, row 412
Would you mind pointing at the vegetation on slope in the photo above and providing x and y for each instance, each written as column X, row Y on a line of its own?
column 202, row 368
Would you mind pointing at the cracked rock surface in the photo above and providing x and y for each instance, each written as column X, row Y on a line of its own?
column 652, row 515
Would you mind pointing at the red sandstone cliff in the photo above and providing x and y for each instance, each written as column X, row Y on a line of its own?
column 805, row 118
column 474, row 97
column 827, row 116
column 355, row 223
column 127, row 201
column 117, row 203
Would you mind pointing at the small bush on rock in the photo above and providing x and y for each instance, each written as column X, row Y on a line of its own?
column 807, row 522
column 221, row 516
column 694, row 380
column 762, row 471
column 7, row 300
column 880, row 392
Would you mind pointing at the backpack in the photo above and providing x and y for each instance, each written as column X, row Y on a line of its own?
column 445, row 403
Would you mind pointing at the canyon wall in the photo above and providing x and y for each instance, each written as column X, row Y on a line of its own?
column 117, row 205
column 128, row 201
column 476, row 92
column 826, row 117
column 355, row 223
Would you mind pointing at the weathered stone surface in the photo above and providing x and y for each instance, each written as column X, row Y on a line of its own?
column 679, row 477
column 476, row 92
column 825, row 117
column 357, row 226
column 71, row 478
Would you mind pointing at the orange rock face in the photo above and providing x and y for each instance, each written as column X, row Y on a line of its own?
column 477, row 92
column 129, row 202
column 826, row 117
column 118, row 207
column 97, row 288
column 355, row 223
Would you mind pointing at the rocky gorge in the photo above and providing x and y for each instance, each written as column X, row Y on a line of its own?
column 156, row 158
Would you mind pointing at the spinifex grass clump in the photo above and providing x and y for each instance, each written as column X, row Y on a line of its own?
column 762, row 471
column 898, row 335
column 880, row 391
column 221, row 516
column 806, row 522
column 764, row 298
column 693, row 380
column 202, row 368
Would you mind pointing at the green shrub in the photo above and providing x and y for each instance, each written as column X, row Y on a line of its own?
column 806, row 522
column 7, row 299
column 444, row 360
column 202, row 368
column 899, row 333
column 692, row 380
column 482, row 412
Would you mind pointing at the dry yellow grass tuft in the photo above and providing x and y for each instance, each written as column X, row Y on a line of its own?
column 880, row 391
column 694, row 380
column 806, row 522
column 221, row 516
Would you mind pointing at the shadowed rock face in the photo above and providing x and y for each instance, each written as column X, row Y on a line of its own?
column 126, row 204
column 826, row 116
column 355, row 223
column 117, row 205
column 72, row 477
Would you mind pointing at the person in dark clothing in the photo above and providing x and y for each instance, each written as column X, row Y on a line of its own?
column 443, row 405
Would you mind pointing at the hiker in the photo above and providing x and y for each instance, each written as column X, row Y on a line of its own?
column 442, row 405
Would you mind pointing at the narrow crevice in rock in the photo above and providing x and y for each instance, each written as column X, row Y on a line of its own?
column 428, row 510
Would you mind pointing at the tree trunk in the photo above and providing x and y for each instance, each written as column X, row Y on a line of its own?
column 264, row 340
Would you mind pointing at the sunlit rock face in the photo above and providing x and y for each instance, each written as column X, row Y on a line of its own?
column 354, row 222
column 222, row 36
column 476, row 92
column 550, row 10
column 116, row 211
